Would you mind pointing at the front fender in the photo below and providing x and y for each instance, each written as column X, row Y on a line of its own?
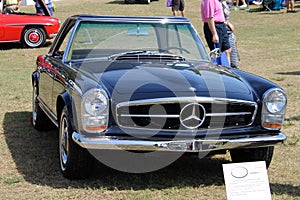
column 65, row 99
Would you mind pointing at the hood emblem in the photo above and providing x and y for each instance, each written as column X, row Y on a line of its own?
column 192, row 115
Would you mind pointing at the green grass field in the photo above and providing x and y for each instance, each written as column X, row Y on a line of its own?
column 269, row 46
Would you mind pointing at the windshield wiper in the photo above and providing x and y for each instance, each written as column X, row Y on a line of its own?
column 145, row 54
column 135, row 52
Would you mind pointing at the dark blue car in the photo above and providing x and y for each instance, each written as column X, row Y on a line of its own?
column 138, row 92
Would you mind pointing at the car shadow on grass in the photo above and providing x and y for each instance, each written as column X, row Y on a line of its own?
column 36, row 157
column 297, row 73
column 18, row 45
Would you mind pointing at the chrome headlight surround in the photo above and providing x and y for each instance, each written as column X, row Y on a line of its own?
column 95, row 110
column 273, row 109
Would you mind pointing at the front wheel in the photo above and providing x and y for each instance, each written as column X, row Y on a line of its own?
column 253, row 154
column 34, row 37
column 75, row 162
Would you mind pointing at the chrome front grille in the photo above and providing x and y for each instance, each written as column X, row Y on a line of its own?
column 185, row 113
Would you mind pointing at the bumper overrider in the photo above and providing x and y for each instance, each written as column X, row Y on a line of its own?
column 190, row 145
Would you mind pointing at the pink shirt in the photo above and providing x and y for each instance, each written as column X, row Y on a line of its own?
column 212, row 9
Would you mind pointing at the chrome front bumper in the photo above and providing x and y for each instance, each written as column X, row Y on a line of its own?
column 192, row 145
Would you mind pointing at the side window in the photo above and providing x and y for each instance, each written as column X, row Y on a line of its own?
column 62, row 40
column 64, row 43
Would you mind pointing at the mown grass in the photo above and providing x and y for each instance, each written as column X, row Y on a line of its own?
column 268, row 44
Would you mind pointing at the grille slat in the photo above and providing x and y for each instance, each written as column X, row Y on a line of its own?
column 165, row 114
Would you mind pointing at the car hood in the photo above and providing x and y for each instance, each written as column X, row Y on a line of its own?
column 162, row 79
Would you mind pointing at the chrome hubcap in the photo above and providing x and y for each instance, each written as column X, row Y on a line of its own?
column 34, row 37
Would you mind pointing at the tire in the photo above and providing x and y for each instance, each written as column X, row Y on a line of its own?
column 75, row 162
column 255, row 154
column 39, row 119
column 33, row 37
column 147, row 1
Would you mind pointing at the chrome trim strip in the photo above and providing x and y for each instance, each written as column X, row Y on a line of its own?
column 26, row 24
column 162, row 116
column 191, row 145
column 48, row 112
column 227, row 114
column 159, row 20
column 177, row 116
column 52, row 35
column 184, row 100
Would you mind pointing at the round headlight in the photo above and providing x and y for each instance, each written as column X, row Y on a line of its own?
column 275, row 101
column 95, row 102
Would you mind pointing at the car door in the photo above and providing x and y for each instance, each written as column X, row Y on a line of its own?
column 60, row 70
column 46, row 74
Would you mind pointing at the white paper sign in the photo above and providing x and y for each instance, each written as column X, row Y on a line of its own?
column 247, row 181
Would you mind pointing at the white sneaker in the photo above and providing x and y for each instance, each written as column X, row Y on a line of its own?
column 257, row 2
column 243, row 6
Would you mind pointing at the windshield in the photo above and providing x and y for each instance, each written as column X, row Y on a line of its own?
column 112, row 40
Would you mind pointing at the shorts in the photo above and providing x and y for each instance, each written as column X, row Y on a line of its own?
column 222, row 33
column 177, row 5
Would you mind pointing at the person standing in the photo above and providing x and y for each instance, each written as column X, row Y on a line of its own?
column 290, row 6
column 214, row 28
column 49, row 5
column 12, row 6
column 178, row 5
column 231, row 37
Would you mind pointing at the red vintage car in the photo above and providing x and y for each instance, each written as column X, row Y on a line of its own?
column 31, row 29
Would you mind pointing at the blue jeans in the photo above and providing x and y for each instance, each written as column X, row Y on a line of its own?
column 39, row 9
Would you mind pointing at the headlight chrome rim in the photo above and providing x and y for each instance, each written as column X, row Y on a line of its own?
column 273, row 109
column 95, row 110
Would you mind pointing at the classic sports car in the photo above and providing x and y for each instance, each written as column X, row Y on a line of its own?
column 30, row 29
column 142, row 85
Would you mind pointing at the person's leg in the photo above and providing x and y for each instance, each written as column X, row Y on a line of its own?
column 183, row 13
column 175, row 7
column 224, row 40
column 233, row 53
column 292, row 5
column 237, row 5
column 228, row 52
column 287, row 3
column 181, row 8
column 244, row 4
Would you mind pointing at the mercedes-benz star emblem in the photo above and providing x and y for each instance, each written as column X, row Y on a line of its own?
column 192, row 115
